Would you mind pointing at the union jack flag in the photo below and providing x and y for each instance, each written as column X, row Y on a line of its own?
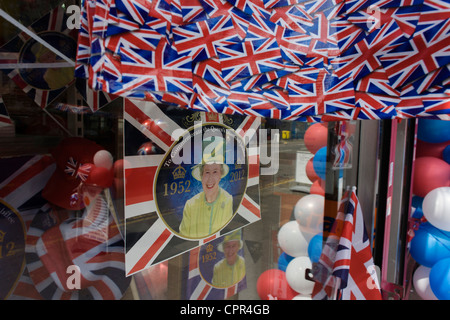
column 327, row 94
column 436, row 102
column 160, row 70
column 304, row 75
column 346, row 34
column 377, row 102
column 294, row 45
column 377, row 82
column 374, row 17
column 434, row 78
column 281, row 3
column 201, row 39
column 323, row 41
column 92, row 242
column 432, row 12
column 410, row 104
column 144, row 38
column 249, row 58
column 363, row 58
column 419, row 56
column 77, row 170
column 292, row 17
column 252, row 7
column 210, row 70
column 215, row 8
column 156, row 242
column 346, row 265
column 192, row 11
column 136, row 9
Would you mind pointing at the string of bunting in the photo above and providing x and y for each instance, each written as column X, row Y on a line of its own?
column 313, row 61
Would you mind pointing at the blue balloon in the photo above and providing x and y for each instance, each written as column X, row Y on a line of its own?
column 320, row 162
column 429, row 245
column 446, row 154
column 433, row 131
column 315, row 247
column 416, row 202
column 283, row 261
column 440, row 279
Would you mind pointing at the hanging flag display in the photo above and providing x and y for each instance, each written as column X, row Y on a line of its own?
column 362, row 59
column 345, row 269
column 190, row 177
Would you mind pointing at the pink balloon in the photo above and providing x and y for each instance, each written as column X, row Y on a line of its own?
column 430, row 173
column 310, row 173
column 272, row 284
column 427, row 149
column 316, row 137
column 318, row 187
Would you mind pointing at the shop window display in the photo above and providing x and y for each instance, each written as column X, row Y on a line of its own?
column 95, row 188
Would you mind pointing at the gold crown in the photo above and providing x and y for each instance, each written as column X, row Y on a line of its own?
column 209, row 247
column 2, row 235
column 179, row 172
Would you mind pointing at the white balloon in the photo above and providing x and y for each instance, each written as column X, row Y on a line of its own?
column 308, row 212
column 301, row 297
column 436, row 208
column 291, row 240
column 295, row 275
column 421, row 282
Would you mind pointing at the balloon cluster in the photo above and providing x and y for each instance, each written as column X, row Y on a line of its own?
column 430, row 245
column 316, row 142
column 301, row 243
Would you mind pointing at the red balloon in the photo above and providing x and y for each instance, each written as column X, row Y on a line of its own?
column 100, row 177
column 272, row 284
column 316, row 137
column 430, row 173
column 427, row 149
column 318, row 187
column 310, row 173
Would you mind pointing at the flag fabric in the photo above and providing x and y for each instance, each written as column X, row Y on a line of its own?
column 353, row 41
column 346, row 269
column 92, row 242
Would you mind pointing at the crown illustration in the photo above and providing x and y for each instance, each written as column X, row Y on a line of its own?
column 209, row 247
column 179, row 172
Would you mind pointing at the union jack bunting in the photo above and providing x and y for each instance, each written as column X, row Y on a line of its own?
column 151, row 232
column 43, row 85
column 93, row 241
column 345, row 269
column 424, row 53
column 354, row 39
column 160, row 70
column 327, row 94
column 200, row 39
column 249, row 58
column 363, row 57
column 240, row 19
